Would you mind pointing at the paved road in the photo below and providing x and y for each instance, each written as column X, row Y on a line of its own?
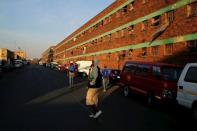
column 35, row 98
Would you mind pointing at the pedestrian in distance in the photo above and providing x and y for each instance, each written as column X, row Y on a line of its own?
column 94, row 86
column 105, row 76
column 71, row 74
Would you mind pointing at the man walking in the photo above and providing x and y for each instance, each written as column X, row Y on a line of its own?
column 71, row 74
column 105, row 75
column 94, row 84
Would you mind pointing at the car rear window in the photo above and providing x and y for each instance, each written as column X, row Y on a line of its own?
column 171, row 74
column 129, row 68
column 191, row 75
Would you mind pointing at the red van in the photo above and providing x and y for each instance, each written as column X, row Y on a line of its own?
column 154, row 80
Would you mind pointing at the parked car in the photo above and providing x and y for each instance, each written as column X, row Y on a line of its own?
column 18, row 63
column 0, row 69
column 54, row 65
column 156, row 81
column 114, row 76
column 187, row 88
column 63, row 67
column 48, row 65
column 83, row 67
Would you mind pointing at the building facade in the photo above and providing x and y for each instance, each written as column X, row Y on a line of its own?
column 6, row 57
column 135, row 30
column 47, row 56
column 20, row 55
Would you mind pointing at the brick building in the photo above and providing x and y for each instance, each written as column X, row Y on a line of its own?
column 136, row 30
column 47, row 55
column 20, row 55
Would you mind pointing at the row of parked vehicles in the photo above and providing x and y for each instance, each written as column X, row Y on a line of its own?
column 82, row 69
column 163, row 82
column 17, row 63
column 156, row 81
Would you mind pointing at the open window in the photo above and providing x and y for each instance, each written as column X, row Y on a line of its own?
column 156, row 20
column 192, row 10
column 144, row 1
column 130, row 6
column 144, row 25
column 131, row 29
column 168, row 49
column 170, row 16
column 192, row 46
column 125, row 9
column 144, row 51
column 155, row 50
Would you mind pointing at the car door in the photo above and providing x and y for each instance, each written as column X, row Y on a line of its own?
column 187, row 86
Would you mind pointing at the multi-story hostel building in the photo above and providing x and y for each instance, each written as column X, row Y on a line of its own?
column 135, row 30
column 20, row 55
column 47, row 55
column 6, row 56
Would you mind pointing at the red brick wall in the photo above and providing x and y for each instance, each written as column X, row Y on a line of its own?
column 181, row 25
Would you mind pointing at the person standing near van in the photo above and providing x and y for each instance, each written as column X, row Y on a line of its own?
column 71, row 74
column 105, row 76
column 94, row 84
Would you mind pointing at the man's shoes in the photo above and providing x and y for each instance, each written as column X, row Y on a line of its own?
column 91, row 115
column 97, row 114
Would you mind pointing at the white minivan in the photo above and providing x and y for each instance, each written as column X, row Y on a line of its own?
column 187, row 88
column 83, row 67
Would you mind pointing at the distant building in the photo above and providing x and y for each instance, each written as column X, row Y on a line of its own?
column 135, row 30
column 47, row 56
column 6, row 56
column 20, row 55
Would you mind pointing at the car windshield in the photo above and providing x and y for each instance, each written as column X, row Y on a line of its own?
column 171, row 74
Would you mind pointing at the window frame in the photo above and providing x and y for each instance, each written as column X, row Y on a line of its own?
column 185, row 79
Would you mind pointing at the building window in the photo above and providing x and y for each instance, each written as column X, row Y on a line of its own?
column 117, row 34
column 144, row 1
column 101, row 39
column 155, row 50
column 170, row 16
column 144, row 25
column 125, row 9
column 106, row 38
column 110, row 18
column 118, row 14
column 192, row 10
column 101, row 23
column 122, row 32
column 130, row 29
column 130, row 53
column 156, row 20
column 192, row 45
column 95, row 41
column 169, row 49
column 84, row 50
column 130, row 6
column 144, row 51
column 105, row 21
column 110, row 35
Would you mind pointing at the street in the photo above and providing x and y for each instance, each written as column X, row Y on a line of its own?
column 35, row 98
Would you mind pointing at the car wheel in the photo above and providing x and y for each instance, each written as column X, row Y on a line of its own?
column 194, row 110
column 84, row 74
column 126, row 91
column 150, row 98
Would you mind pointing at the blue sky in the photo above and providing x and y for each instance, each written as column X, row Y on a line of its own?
column 34, row 25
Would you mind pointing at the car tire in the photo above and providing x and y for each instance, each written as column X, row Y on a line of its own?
column 194, row 111
column 84, row 74
column 150, row 98
column 126, row 91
